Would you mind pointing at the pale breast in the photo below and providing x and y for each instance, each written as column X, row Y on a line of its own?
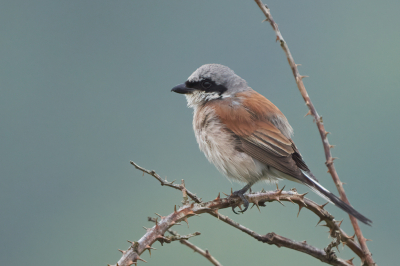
column 221, row 148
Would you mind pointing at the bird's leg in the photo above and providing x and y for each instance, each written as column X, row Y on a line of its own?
column 240, row 194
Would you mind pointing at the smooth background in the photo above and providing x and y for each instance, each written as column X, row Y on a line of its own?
column 85, row 87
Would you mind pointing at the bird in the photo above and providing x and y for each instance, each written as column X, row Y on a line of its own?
column 245, row 135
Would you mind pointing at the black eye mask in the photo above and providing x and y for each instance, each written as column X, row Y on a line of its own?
column 206, row 85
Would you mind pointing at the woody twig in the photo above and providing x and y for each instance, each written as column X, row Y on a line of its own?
column 367, row 257
column 184, row 241
column 156, row 233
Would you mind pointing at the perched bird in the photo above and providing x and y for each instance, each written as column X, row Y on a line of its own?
column 246, row 136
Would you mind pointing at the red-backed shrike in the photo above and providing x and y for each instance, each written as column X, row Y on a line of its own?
column 246, row 136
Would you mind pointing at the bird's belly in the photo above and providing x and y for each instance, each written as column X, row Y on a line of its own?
column 219, row 148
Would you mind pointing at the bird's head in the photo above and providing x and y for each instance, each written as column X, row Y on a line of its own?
column 211, row 82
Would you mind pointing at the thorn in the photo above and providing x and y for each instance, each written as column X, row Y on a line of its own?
column 175, row 209
column 132, row 242
column 326, row 225
column 149, row 249
column 240, row 207
column 277, row 188
column 300, row 207
column 225, row 194
column 280, row 191
column 172, row 181
column 302, row 195
column 331, row 146
column 304, row 242
column 186, row 220
column 298, row 65
column 320, row 220
column 231, row 191
column 280, row 202
column 277, row 38
column 347, row 238
column 323, row 205
column 264, row 20
column 339, row 223
column 122, row 251
column 139, row 258
column 157, row 223
column 218, row 197
column 302, row 77
column 162, row 217
column 350, row 261
column 258, row 207
column 328, row 171
column 308, row 113
column 368, row 239
column 302, row 198
column 146, row 228
column 326, row 133
column 263, row 190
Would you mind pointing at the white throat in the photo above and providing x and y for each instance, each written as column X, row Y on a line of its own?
column 200, row 97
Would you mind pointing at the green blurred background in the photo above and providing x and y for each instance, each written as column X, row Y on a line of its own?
column 85, row 87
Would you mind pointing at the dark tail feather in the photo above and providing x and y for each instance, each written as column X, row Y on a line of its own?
column 320, row 190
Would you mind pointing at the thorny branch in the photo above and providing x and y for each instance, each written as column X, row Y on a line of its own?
column 168, row 184
column 204, row 253
column 156, row 233
column 367, row 256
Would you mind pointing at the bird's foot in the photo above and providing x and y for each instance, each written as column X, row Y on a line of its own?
column 240, row 194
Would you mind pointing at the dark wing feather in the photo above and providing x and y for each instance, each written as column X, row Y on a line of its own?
column 269, row 146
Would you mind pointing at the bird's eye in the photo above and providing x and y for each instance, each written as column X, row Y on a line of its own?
column 206, row 84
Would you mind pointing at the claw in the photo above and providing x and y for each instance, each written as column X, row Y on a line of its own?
column 240, row 194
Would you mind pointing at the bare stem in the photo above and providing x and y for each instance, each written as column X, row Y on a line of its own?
column 280, row 241
column 204, row 253
column 156, row 233
column 168, row 184
column 367, row 257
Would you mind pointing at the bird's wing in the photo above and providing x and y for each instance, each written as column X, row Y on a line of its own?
column 268, row 145
column 259, row 137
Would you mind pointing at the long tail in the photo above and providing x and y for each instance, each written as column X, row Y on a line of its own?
column 324, row 193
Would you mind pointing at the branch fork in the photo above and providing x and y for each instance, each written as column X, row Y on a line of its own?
column 157, row 232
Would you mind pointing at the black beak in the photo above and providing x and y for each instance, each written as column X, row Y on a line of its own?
column 182, row 89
